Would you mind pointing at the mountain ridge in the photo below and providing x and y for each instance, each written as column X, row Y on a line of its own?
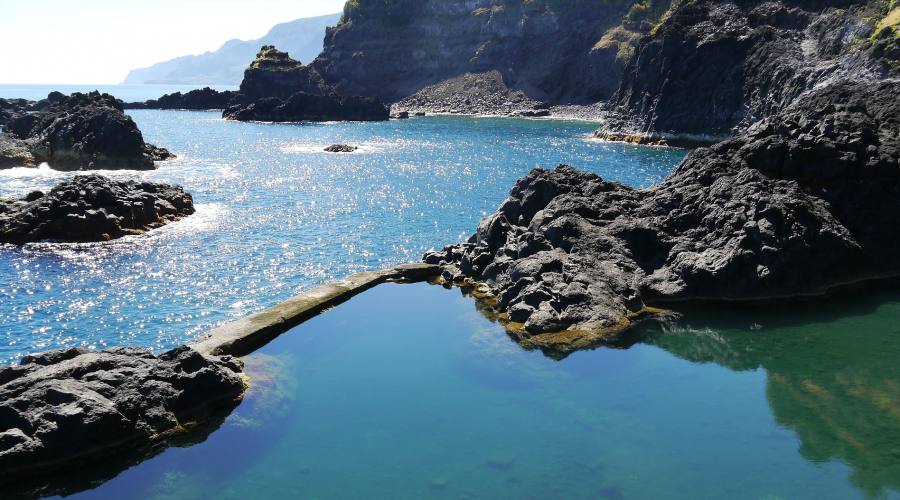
column 225, row 66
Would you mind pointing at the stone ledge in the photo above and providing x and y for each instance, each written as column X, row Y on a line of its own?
column 247, row 334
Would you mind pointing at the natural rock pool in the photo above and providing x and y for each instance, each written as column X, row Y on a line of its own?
column 407, row 391
column 277, row 215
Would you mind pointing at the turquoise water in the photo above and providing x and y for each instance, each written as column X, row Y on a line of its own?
column 276, row 215
column 126, row 92
column 407, row 391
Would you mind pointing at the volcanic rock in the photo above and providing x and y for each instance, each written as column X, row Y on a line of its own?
column 92, row 208
column 84, row 131
column 799, row 203
column 341, row 148
column 63, row 408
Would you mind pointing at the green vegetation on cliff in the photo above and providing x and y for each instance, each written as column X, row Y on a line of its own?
column 641, row 18
column 271, row 59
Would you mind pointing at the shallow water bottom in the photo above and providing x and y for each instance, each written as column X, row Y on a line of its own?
column 408, row 392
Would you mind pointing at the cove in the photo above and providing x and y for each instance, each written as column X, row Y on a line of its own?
column 408, row 391
column 276, row 215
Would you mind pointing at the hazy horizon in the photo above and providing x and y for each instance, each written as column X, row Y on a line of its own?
column 97, row 42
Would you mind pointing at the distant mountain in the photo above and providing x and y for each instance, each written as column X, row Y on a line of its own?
column 302, row 39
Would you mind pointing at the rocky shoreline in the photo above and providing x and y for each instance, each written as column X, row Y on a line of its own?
column 92, row 208
column 61, row 408
column 798, row 203
column 77, row 132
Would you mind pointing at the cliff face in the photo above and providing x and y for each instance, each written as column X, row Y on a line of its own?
column 710, row 66
column 392, row 48
column 668, row 67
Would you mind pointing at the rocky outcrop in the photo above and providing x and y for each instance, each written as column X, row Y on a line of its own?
column 340, row 148
column 711, row 66
column 198, row 99
column 92, row 208
column 277, row 88
column 83, row 131
column 15, row 153
column 274, row 74
column 799, row 203
column 310, row 107
column 62, row 408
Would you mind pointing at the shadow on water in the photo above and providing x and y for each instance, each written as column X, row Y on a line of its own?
column 833, row 374
column 90, row 475
column 832, row 366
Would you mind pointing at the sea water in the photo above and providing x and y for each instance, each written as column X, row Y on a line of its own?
column 277, row 215
column 407, row 391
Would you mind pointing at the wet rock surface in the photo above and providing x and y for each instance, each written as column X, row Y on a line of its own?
column 15, row 153
column 62, row 408
column 340, row 148
column 81, row 131
column 92, row 208
column 797, row 204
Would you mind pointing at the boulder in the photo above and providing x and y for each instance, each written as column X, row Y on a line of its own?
column 92, row 208
column 341, row 148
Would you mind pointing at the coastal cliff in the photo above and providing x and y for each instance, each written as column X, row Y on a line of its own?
column 711, row 66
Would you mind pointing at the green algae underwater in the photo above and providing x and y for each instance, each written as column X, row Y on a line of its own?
column 409, row 391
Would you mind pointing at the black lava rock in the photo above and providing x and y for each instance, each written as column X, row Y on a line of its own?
column 310, row 107
column 84, row 131
column 63, row 408
column 801, row 202
column 92, row 208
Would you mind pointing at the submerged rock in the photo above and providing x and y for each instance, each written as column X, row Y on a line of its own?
column 341, row 148
column 799, row 203
column 63, row 408
column 83, row 131
column 92, row 208
column 310, row 107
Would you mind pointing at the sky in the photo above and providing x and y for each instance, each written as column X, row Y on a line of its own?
column 99, row 41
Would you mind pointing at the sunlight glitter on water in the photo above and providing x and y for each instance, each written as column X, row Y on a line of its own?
column 276, row 217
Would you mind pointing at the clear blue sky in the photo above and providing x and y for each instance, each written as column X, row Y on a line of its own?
column 98, row 41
